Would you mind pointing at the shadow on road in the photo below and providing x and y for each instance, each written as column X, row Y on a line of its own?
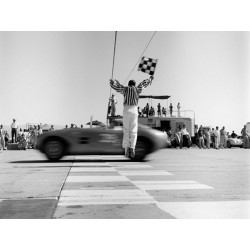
column 72, row 161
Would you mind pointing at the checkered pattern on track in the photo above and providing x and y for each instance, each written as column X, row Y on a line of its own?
column 103, row 185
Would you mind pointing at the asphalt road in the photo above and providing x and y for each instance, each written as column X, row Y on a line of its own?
column 170, row 184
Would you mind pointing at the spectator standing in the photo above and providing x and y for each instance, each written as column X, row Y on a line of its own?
column 2, row 141
column 164, row 111
column 26, row 134
column 159, row 109
column 178, row 108
column 201, row 137
column 147, row 109
column 109, row 107
column 20, row 133
column 245, row 135
column 6, row 138
column 223, row 139
column 113, row 103
column 208, row 137
column 178, row 137
column 217, row 138
column 51, row 128
column 130, row 113
column 196, row 136
column 212, row 135
column 152, row 111
column 31, row 137
column 171, row 109
column 185, row 137
column 40, row 131
column 35, row 131
column 14, row 127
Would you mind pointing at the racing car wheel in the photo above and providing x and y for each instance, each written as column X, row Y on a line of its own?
column 54, row 149
column 142, row 148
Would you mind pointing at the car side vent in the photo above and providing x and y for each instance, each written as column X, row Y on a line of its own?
column 83, row 140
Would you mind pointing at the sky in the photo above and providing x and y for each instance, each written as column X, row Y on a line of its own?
column 62, row 77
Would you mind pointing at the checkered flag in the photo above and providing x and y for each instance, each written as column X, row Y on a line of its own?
column 147, row 65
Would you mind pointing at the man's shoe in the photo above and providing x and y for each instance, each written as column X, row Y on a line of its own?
column 132, row 153
column 127, row 150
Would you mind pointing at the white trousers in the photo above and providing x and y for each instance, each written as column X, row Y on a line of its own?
column 130, row 126
column 2, row 142
column 217, row 142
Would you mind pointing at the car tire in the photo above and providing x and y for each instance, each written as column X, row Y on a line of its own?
column 142, row 149
column 54, row 149
column 229, row 144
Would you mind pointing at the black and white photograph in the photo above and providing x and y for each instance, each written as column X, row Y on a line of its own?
column 122, row 125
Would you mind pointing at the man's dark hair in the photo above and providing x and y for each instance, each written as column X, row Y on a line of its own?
column 131, row 83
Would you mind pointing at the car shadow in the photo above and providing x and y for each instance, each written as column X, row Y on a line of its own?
column 72, row 161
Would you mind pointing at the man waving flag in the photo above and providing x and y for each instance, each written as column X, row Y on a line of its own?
column 147, row 65
column 131, row 95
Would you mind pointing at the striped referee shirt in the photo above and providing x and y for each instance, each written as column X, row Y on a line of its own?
column 130, row 93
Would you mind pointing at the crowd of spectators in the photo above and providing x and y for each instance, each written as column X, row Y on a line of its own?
column 180, row 139
column 4, row 138
column 206, row 138
column 161, row 111
column 72, row 126
column 25, row 138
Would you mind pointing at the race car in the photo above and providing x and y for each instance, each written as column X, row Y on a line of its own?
column 98, row 141
column 234, row 142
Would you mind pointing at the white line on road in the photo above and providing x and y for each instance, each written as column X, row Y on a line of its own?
column 106, row 197
column 207, row 209
column 97, row 197
column 96, row 178
column 93, row 169
column 91, row 164
column 101, row 157
column 87, row 157
column 174, row 187
column 107, row 202
column 165, row 182
column 170, row 185
column 101, row 192
column 130, row 166
column 114, row 157
column 144, row 173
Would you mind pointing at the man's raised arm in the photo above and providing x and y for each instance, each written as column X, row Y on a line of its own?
column 145, row 83
column 116, row 86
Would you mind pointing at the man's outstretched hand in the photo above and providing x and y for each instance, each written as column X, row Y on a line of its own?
column 151, row 79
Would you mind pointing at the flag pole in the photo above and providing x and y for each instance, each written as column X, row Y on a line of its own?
column 91, row 119
column 112, row 74
column 140, row 57
column 113, row 65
